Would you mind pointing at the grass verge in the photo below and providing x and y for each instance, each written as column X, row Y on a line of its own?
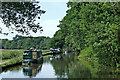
column 11, row 57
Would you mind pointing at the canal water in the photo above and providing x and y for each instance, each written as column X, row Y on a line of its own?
column 62, row 66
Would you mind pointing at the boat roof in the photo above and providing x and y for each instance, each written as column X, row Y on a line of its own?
column 32, row 51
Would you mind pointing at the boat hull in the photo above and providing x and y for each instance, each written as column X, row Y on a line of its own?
column 32, row 61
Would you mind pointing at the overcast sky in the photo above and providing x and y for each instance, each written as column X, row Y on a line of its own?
column 55, row 11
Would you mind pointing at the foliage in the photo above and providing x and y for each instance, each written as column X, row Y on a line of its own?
column 8, row 54
column 11, row 57
column 92, row 25
column 13, row 61
column 22, row 15
column 20, row 42
column 70, row 67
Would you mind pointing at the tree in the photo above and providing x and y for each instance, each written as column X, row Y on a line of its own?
column 22, row 15
column 91, row 28
column 20, row 42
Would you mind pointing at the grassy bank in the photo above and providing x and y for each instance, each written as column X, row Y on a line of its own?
column 10, row 57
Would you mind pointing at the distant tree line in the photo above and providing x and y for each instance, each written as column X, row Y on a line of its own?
column 91, row 28
column 20, row 42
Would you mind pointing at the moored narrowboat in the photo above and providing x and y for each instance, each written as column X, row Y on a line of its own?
column 55, row 51
column 30, row 56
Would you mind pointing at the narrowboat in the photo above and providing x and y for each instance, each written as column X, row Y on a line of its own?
column 30, row 56
column 56, row 56
column 55, row 51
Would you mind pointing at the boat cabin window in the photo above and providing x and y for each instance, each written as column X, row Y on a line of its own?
column 32, row 54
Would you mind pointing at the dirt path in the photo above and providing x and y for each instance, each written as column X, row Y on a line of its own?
column 4, row 62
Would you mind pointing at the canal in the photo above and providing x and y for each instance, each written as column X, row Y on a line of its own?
column 62, row 66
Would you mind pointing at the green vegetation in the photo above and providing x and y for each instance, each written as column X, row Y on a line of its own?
column 8, row 54
column 12, row 61
column 70, row 67
column 10, row 57
column 22, row 15
column 92, row 29
column 20, row 42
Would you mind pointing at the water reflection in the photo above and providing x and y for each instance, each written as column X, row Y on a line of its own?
column 63, row 66
column 60, row 64
column 14, row 68
column 32, row 70
column 58, row 56
column 70, row 67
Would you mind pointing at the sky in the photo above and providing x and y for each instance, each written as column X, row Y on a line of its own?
column 55, row 11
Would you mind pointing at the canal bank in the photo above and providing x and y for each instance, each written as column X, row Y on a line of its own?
column 11, row 63
column 13, row 57
column 65, row 66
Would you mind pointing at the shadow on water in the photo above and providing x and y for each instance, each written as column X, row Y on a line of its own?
column 68, row 66
column 13, row 68
column 64, row 66
column 10, row 66
column 32, row 70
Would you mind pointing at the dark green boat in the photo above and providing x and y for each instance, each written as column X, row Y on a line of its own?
column 32, row 57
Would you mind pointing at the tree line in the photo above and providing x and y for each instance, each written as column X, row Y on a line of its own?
column 20, row 42
column 91, row 28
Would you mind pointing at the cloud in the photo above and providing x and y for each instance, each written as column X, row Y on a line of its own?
column 49, row 27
